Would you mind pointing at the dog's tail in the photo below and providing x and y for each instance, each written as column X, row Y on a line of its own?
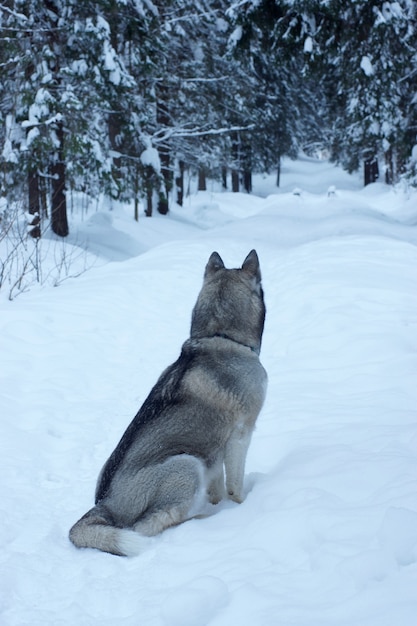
column 97, row 530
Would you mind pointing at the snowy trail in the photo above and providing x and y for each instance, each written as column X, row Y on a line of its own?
column 327, row 535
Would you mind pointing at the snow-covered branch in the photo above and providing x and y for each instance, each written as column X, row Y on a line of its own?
column 206, row 80
column 164, row 134
column 19, row 16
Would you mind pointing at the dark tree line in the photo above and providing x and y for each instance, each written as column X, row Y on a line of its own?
column 122, row 97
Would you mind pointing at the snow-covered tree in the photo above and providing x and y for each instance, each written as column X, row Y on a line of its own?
column 362, row 56
column 269, row 37
column 74, row 118
column 196, row 89
column 121, row 96
column 372, row 47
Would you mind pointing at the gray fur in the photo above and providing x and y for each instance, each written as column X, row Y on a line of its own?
column 196, row 422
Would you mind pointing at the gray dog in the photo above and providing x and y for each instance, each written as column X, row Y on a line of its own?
column 197, row 420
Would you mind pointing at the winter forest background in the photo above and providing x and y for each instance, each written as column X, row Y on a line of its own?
column 116, row 109
column 122, row 97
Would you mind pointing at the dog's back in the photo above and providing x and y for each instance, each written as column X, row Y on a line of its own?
column 197, row 419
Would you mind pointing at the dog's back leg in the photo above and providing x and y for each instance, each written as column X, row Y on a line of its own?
column 158, row 496
column 180, row 494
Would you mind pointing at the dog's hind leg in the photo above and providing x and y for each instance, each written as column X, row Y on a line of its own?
column 179, row 494
column 158, row 496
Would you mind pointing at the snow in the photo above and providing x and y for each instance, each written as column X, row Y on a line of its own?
column 366, row 66
column 327, row 534
column 150, row 156
column 110, row 63
column 308, row 45
column 236, row 36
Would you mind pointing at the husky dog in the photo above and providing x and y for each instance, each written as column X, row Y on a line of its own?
column 197, row 420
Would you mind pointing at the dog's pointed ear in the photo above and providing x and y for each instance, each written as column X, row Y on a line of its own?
column 251, row 265
column 214, row 264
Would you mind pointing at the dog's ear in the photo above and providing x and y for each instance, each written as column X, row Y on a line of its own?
column 251, row 265
column 214, row 264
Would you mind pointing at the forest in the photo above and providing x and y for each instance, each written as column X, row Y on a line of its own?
column 122, row 97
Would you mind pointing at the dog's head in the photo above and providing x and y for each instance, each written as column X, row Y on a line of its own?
column 231, row 302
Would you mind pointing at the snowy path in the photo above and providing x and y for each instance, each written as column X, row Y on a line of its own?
column 327, row 535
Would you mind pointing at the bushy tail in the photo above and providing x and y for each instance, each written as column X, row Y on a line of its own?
column 96, row 530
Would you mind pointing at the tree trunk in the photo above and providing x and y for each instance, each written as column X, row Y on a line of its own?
column 149, row 175
column 236, row 161
column 389, row 167
column 34, row 205
column 279, row 172
column 113, row 125
column 235, row 181
column 202, row 182
column 136, row 214
column 247, row 181
column 163, row 120
column 246, row 164
column 163, row 207
column 179, row 183
column 165, row 158
column 165, row 189
column 59, row 221
column 224, row 177
column 371, row 170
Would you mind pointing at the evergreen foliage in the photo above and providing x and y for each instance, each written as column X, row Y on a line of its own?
column 122, row 96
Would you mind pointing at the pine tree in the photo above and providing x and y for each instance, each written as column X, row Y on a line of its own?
column 192, row 90
column 364, row 55
column 285, row 110
column 374, row 84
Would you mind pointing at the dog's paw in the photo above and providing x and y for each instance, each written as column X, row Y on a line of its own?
column 214, row 498
column 235, row 497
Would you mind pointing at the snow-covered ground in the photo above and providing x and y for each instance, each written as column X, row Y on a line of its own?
column 327, row 535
